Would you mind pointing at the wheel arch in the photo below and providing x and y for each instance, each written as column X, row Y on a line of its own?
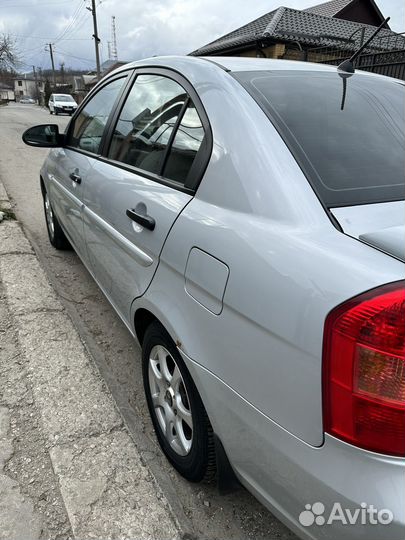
column 42, row 184
column 143, row 316
column 142, row 319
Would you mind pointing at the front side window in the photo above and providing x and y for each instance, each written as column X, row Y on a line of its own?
column 146, row 122
column 89, row 126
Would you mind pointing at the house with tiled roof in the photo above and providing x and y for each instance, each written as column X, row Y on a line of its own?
column 326, row 32
column 362, row 11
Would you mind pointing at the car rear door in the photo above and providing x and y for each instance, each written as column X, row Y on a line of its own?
column 70, row 165
column 148, row 174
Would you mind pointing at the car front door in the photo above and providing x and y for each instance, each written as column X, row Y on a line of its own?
column 137, row 190
column 71, row 164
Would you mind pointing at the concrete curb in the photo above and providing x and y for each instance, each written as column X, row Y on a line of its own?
column 4, row 200
column 106, row 489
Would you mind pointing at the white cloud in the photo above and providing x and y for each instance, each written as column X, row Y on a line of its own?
column 144, row 28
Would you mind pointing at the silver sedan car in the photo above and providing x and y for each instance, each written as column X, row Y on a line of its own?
column 245, row 218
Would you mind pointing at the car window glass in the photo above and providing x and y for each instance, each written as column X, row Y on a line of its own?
column 148, row 118
column 89, row 126
column 348, row 135
column 64, row 98
column 186, row 143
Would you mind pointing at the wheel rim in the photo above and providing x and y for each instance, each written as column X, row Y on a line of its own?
column 49, row 216
column 170, row 400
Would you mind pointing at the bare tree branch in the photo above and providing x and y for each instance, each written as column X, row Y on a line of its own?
column 8, row 55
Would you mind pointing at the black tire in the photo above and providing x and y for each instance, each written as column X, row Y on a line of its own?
column 55, row 233
column 55, row 112
column 199, row 463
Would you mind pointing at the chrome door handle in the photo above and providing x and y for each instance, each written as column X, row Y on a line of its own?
column 146, row 221
column 75, row 177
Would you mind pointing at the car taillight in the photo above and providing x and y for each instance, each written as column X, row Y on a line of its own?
column 364, row 370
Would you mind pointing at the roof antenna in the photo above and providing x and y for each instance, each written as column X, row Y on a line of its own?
column 348, row 65
column 344, row 76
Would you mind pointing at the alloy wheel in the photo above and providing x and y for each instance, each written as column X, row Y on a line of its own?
column 170, row 400
column 49, row 216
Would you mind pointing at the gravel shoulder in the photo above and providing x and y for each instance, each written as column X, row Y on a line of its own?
column 68, row 466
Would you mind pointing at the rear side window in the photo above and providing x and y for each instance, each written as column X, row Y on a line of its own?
column 186, row 144
column 350, row 145
column 158, row 130
column 88, row 127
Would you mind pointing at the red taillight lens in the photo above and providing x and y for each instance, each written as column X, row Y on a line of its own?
column 364, row 370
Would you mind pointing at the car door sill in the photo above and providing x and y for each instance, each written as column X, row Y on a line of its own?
column 90, row 271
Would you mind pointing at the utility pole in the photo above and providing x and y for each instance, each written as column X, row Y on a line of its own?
column 95, row 35
column 53, row 65
column 36, row 85
column 62, row 72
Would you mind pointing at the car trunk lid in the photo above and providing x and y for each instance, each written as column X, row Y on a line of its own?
column 380, row 225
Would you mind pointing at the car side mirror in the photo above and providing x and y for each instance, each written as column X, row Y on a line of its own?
column 44, row 135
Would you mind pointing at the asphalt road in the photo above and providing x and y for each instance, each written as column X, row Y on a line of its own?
column 199, row 508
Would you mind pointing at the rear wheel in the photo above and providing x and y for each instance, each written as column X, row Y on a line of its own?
column 181, row 423
column 56, row 235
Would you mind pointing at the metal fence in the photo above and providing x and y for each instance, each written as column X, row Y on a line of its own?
column 390, row 63
column 384, row 55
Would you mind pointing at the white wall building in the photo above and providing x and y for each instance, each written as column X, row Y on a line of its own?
column 26, row 87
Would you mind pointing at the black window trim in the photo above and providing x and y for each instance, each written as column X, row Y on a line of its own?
column 173, row 134
column 126, row 74
column 204, row 153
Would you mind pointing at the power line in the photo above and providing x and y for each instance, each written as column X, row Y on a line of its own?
column 59, row 50
column 54, row 2
column 6, row 6
column 79, row 7
column 28, row 37
column 47, row 38
column 80, row 24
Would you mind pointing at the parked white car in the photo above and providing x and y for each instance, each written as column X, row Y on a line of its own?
column 27, row 99
column 62, row 104
column 245, row 217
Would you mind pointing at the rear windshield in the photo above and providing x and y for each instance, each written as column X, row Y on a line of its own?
column 350, row 145
column 64, row 98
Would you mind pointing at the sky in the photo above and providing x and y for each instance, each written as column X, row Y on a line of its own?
column 144, row 27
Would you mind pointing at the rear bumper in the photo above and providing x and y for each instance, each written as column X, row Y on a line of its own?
column 286, row 474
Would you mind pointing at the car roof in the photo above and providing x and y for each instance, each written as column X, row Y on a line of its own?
column 229, row 63
column 199, row 67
